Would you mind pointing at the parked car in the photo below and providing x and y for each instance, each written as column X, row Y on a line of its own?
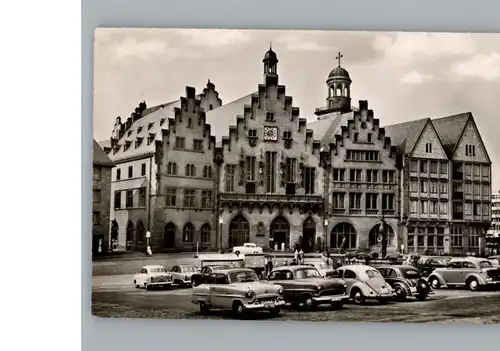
column 257, row 262
column 426, row 265
column 181, row 274
column 153, row 276
column 213, row 263
column 365, row 283
column 323, row 268
column 304, row 284
column 495, row 260
column 239, row 290
column 406, row 281
column 466, row 271
column 247, row 248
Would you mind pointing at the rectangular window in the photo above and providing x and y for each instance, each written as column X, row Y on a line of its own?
column 372, row 156
column 423, row 166
column 198, row 145
column 424, row 186
column 230, row 172
column 443, row 168
column 96, row 217
column 129, row 199
column 443, row 188
column 118, row 174
column 355, row 201
column 291, row 170
column 142, row 197
column 420, row 240
column 433, row 187
column 171, row 197
column 413, row 206
column 468, row 189
column 468, row 209
column 338, row 200
column 206, row 199
column 271, row 166
column 371, row 201
column 414, row 166
column 486, row 191
column 486, row 211
column 424, row 207
column 371, row 176
column 97, row 174
column 369, row 137
column 474, row 237
column 339, row 175
column 309, row 180
column 477, row 170
column 477, row 189
column 388, row 177
column 130, row 171
column 485, row 171
column 468, row 170
column 143, row 169
column 96, row 196
column 250, row 168
column 411, row 240
column 180, row 143
column 443, row 208
column 118, row 199
column 433, row 209
column 355, row 175
column 456, row 237
column 434, row 167
column 414, row 186
column 428, row 148
column 189, row 196
column 388, row 202
column 470, row 150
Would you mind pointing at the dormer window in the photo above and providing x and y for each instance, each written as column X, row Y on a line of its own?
column 127, row 145
column 428, row 148
column 252, row 133
column 369, row 137
column 287, row 134
column 138, row 142
column 139, row 129
column 270, row 117
column 190, row 123
column 355, row 137
column 150, row 125
column 116, row 149
column 129, row 133
column 162, row 121
column 151, row 137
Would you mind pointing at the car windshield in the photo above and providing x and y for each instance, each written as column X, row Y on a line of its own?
column 410, row 273
column 157, row 270
column 243, row 277
column 371, row 273
column 307, row 273
column 485, row 264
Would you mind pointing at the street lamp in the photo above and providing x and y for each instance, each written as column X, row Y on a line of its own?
column 148, row 238
column 325, row 223
column 221, row 222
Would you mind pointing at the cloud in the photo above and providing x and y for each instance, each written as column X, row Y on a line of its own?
column 130, row 47
column 302, row 43
column 402, row 47
column 415, row 77
column 213, row 37
column 482, row 66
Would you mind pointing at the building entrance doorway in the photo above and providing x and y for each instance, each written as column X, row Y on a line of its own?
column 308, row 235
column 280, row 232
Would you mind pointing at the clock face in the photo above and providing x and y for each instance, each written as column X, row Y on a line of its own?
column 270, row 133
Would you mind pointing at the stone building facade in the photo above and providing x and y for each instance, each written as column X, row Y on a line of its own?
column 197, row 172
column 101, row 199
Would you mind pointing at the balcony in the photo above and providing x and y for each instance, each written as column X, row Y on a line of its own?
column 458, row 176
column 443, row 175
column 433, row 195
column 271, row 200
column 371, row 212
column 355, row 212
column 338, row 212
column 413, row 174
column 443, row 216
column 477, row 218
column 413, row 215
column 433, row 216
column 388, row 212
column 434, row 175
column 443, row 196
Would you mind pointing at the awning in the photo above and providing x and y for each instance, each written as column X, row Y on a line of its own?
column 97, row 230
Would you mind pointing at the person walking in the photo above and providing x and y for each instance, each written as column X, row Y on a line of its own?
column 301, row 256
column 296, row 256
column 269, row 267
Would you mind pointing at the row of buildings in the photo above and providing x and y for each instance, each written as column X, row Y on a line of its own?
column 197, row 172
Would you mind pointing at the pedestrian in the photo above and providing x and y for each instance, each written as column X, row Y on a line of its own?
column 301, row 256
column 285, row 262
column 269, row 266
column 296, row 255
column 149, row 252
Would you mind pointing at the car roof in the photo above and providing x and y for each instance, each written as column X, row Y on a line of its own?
column 220, row 257
column 469, row 259
column 293, row 267
column 405, row 266
column 231, row 270
column 149, row 266
column 357, row 267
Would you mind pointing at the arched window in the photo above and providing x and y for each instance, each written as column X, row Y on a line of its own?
column 374, row 234
column 280, row 231
column 343, row 233
column 188, row 168
column 172, row 168
column 130, row 231
column 187, row 236
column 209, row 172
column 239, row 231
column 193, row 171
column 169, row 236
column 205, row 233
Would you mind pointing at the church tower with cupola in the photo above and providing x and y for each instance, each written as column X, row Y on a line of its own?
column 339, row 91
column 270, row 67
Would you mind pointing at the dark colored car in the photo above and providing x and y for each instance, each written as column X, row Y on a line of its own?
column 406, row 281
column 427, row 265
column 304, row 284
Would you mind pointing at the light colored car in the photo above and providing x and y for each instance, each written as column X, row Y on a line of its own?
column 495, row 260
column 304, row 285
column 247, row 248
column 238, row 290
column 472, row 272
column 153, row 276
column 181, row 274
column 324, row 269
column 365, row 283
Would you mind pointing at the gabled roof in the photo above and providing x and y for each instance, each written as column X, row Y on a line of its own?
column 221, row 118
column 325, row 129
column 405, row 135
column 99, row 156
column 450, row 130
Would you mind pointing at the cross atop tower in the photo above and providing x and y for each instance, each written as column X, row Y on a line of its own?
column 339, row 56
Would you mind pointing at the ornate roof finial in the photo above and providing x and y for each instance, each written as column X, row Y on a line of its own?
column 270, row 45
column 339, row 56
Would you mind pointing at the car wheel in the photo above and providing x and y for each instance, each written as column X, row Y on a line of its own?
column 337, row 305
column 435, row 283
column 421, row 297
column 275, row 312
column 308, row 302
column 238, row 310
column 137, row 286
column 148, row 287
column 358, row 297
column 204, row 308
column 400, row 293
column 473, row 284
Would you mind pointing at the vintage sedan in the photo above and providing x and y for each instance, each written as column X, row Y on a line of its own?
column 182, row 274
column 406, row 281
column 365, row 283
column 471, row 272
column 153, row 276
column 238, row 290
column 495, row 260
column 213, row 263
column 247, row 248
column 304, row 285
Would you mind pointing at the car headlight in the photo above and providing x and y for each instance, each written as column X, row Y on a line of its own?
column 319, row 287
column 280, row 291
column 152, row 279
column 250, row 294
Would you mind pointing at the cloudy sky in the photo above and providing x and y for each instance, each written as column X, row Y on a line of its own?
column 403, row 76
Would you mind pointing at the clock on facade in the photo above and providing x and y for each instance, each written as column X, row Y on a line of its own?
column 271, row 133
